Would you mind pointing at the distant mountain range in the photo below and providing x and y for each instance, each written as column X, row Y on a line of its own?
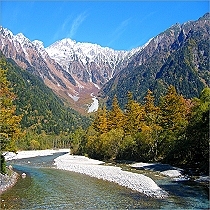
column 78, row 71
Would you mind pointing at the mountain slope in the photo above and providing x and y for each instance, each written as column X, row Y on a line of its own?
column 178, row 56
column 74, row 71
column 32, row 57
column 42, row 110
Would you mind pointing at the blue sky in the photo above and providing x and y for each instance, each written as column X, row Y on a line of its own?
column 121, row 25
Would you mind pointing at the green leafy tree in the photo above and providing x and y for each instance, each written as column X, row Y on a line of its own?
column 110, row 143
column 127, row 148
column 93, row 143
column 9, row 122
column 3, row 165
column 34, row 144
column 193, row 149
column 198, row 132
column 77, row 141
column 10, row 129
column 142, row 139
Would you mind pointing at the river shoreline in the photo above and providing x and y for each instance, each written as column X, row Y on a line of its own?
column 9, row 180
column 32, row 153
column 100, row 170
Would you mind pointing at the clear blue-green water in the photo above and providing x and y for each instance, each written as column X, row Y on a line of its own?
column 48, row 188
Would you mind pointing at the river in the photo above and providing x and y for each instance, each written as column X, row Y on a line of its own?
column 46, row 187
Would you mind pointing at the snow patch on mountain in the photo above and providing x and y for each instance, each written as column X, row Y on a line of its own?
column 96, row 86
column 40, row 47
column 75, row 98
column 94, row 106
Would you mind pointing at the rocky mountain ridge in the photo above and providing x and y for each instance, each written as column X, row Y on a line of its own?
column 89, row 62
column 178, row 56
column 77, row 71
column 74, row 71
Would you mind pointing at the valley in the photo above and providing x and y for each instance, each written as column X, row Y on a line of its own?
column 90, row 126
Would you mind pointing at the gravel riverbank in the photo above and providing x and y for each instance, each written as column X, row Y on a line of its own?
column 31, row 153
column 93, row 168
column 7, row 181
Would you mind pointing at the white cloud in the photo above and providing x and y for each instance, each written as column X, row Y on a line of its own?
column 69, row 23
column 120, row 30
column 76, row 23
column 66, row 23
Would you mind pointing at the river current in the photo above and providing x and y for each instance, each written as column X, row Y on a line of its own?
column 46, row 187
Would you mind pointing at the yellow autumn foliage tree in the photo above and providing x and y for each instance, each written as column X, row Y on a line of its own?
column 10, row 129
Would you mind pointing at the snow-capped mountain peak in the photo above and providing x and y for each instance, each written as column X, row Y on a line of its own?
column 22, row 39
column 6, row 32
column 67, row 66
column 92, row 58
column 64, row 43
column 38, row 44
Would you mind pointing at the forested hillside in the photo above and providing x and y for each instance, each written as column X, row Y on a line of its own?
column 43, row 113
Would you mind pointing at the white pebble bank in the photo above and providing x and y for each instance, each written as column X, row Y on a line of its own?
column 31, row 153
column 164, row 169
column 90, row 167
